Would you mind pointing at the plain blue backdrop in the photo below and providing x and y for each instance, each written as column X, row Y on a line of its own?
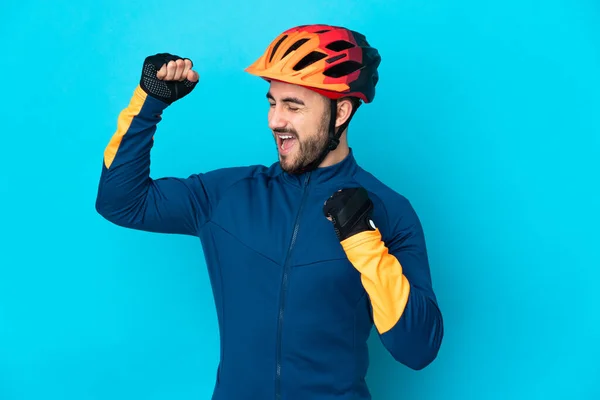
column 486, row 118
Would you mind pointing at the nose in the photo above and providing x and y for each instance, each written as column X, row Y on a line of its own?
column 276, row 120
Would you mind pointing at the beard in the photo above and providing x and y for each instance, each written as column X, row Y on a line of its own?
column 307, row 149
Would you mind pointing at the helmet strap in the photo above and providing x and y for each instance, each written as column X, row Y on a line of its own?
column 334, row 137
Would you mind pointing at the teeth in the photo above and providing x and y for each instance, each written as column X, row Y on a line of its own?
column 285, row 137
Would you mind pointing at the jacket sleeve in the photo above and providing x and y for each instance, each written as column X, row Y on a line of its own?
column 396, row 277
column 129, row 197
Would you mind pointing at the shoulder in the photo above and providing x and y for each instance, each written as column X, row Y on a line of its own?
column 220, row 180
column 393, row 212
column 394, row 203
column 241, row 172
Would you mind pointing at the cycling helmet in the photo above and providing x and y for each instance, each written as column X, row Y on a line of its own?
column 334, row 61
column 331, row 60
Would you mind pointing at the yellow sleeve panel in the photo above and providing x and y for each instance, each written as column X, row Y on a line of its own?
column 381, row 276
column 123, row 124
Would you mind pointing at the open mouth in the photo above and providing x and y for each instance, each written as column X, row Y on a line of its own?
column 285, row 142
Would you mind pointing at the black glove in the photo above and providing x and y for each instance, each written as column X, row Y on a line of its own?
column 167, row 91
column 350, row 211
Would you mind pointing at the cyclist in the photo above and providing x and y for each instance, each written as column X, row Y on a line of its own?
column 306, row 255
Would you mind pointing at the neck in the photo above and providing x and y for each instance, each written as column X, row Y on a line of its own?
column 336, row 156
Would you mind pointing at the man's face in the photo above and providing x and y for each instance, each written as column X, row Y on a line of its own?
column 299, row 120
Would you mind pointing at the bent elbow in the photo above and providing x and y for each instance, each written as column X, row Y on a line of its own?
column 104, row 209
column 423, row 359
column 416, row 346
column 112, row 209
column 425, row 354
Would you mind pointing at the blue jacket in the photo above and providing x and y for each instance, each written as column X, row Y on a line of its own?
column 295, row 306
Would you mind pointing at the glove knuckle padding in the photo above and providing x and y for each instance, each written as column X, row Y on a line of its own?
column 167, row 91
column 350, row 211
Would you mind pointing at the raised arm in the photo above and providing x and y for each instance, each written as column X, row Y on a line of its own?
column 395, row 275
column 127, row 195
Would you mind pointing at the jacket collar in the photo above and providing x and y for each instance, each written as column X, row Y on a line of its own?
column 325, row 176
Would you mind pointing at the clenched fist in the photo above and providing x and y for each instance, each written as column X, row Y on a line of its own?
column 168, row 77
column 350, row 211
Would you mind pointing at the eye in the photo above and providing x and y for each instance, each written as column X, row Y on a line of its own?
column 293, row 109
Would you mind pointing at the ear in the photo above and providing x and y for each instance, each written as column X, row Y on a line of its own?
column 344, row 109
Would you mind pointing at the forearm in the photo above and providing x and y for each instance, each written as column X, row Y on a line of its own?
column 381, row 275
column 407, row 319
column 125, row 177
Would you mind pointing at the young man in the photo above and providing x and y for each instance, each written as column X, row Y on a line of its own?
column 305, row 256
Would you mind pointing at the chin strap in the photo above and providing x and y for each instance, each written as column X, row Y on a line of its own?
column 334, row 138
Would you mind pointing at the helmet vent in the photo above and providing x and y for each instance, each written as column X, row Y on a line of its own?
column 335, row 58
column 276, row 47
column 339, row 45
column 343, row 69
column 309, row 59
column 323, row 31
column 295, row 46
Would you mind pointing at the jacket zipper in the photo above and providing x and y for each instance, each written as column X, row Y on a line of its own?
column 284, row 284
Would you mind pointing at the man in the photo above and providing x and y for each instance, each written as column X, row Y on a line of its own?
column 305, row 256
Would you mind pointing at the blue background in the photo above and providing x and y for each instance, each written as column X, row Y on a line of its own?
column 486, row 118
